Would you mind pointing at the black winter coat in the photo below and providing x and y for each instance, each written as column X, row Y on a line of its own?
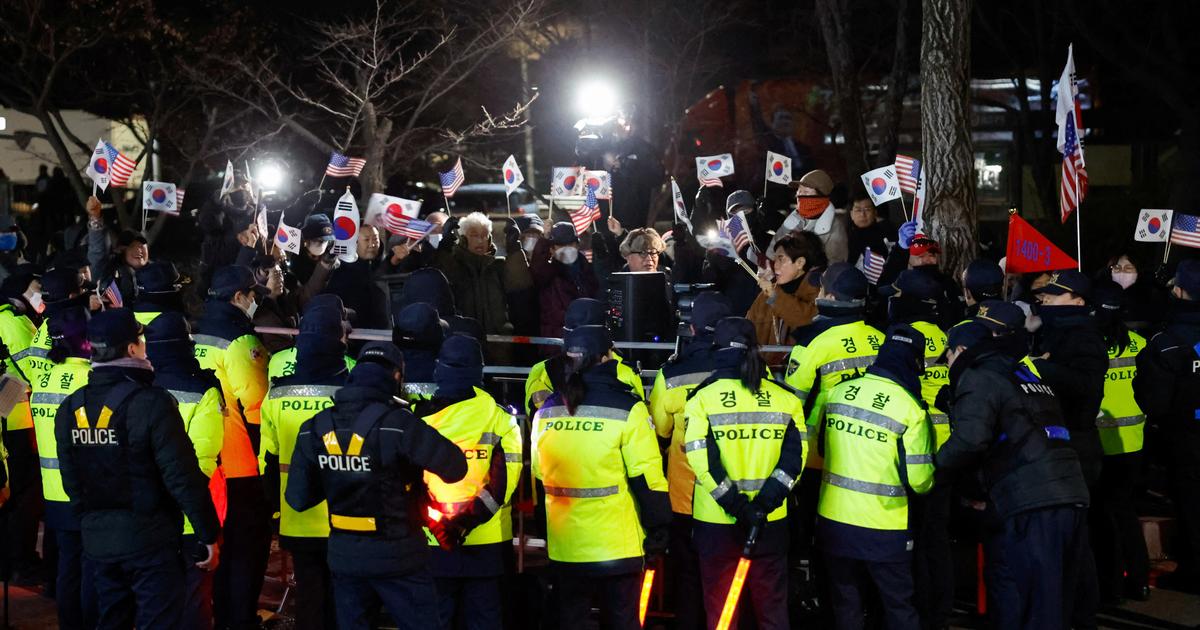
column 163, row 479
column 999, row 410
column 1167, row 384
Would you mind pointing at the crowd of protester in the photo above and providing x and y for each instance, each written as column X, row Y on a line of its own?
column 801, row 275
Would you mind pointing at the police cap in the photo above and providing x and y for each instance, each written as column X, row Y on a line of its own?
column 113, row 328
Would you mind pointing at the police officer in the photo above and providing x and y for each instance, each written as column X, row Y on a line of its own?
column 283, row 362
column 158, row 286
column 227, row 345
column 21, row 360
column 593, row 449
column 320, row 372
column 878, row 448
column 982, row 280
column 546, row 377
column 914, row 301
column 1167, row 388
column 129, row 469
column 746, row 442
column 74, row 591
column 1008, row 420
column 674, row 383
column 419, row 333
column 476, row 520
column 366, row 455
column 1122, row 563
column 197, row 394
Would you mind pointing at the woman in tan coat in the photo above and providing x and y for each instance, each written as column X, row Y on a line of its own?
column 788, row 300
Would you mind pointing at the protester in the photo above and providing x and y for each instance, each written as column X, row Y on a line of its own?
column 130, row 252
column 228, row 226
column 562, row 274
column 1144, row 303
column 918, row 251
column 788, row 295
column 826, row 221
column 357, row 283
column 867, row 230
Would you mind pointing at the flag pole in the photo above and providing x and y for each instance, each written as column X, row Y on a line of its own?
column 1167, row 249
column 508, row 204
column 1078, row 226
column 904, row 208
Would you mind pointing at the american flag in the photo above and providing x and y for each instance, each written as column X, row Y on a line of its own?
column 1074, row 175
column 342, row 166
column 120, row 167
column 1185, row 230
column 587, row 213
column 414, row 229
column 113, row 295
column 909, row 171
column 736, row 228
column 871, row 264
column 452, row 179
column 179, row 197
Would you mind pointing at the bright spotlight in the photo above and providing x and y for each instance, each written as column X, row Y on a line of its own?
column 597, row 99
column 269, row 176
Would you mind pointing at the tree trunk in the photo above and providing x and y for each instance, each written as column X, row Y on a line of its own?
column 835, row 20
column 946, row 129
column 893, row 112
column 54, row 137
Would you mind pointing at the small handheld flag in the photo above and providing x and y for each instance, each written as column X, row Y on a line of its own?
column 342, row 166
column 681, row 213
column 1153, row 226
column 738, row 229
column 452, row 179
column 587, row 213
column 909, row 172
column 345, row 228
column 871, row 264
column 109, row 166
column 566, row 181
column 112, row 294
column 227, row 183
column 1185, row 230
column 599, row 180
column 179, row 192
column 710, row 169
column 391, row 213
column 160, row 196
column 1028, row 250
column 511, row 174
column 882, row 184
column 779, row 168
column 288, row 237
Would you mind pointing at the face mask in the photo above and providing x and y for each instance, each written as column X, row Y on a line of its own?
column 1124, row 278
column 435, row 239
column 567, row 255
column 528, row 244
column 317, row 248
column 35, row 300
column 250, row 310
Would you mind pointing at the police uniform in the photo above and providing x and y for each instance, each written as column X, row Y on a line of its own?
column 914, row 299
column 672, row 386
column 878, row 448
column 226, row 344
column 319, row 373
column 283, row 363
column 419, row 333
column 365, row 455
column 158, row 285
column 129, row 469
column 747, row 448
column 1122, row 562
column 468, row 576
column 605, row 491
column 197, row 394
column 540, row 383
column 75, row 595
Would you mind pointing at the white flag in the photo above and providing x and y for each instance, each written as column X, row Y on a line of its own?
column 680, row 210
column 381, row 206
column 227, row 184
column 779, row 168
column 159, row 196
column 98, row 166
column 260, row 220
column 601, row 181
column 710, row 169
column 288, row 237
column 345, row 228
column 882, row 184
column 567, row 181
column 1153, row 226
column 918, row 207
column 512, row 175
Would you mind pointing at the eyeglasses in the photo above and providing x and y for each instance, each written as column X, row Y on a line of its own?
column 649, row 254
column 1124, row 268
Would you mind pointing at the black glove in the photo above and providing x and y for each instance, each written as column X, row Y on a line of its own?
column 449, row 234
column 512, row 236
column 942, row 400
column 656, row 541
column 1162, row 275
column 448, row 532
column 749, row 515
